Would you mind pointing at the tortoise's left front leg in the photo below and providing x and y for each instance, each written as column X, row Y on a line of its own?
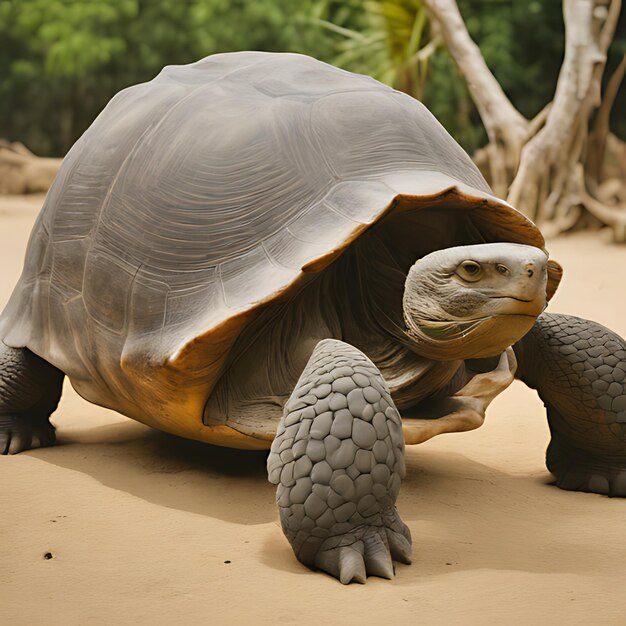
column 579, row 370
column 338, row 459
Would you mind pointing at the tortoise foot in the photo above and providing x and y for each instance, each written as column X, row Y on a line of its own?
column 338, row 460
column 367, row 550
column 19, row 433
column 577, row 470
column 30, row 389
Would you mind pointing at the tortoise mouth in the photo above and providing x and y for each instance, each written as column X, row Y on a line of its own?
column 512, row 298
column 518, row 305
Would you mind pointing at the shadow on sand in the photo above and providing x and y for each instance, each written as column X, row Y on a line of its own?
column 169, row 471
column 463, row 515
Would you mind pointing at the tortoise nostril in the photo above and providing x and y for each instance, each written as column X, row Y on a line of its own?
column 530, row 269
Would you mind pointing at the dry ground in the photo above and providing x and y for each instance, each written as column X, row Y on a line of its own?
column 148, row 529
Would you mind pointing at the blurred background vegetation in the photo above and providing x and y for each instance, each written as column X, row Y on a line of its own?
column 62, row 60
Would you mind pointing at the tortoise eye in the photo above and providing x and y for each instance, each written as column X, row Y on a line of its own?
column 502, row 269
column 470, row 270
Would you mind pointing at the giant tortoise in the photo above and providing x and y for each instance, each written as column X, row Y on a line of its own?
column 261, row 247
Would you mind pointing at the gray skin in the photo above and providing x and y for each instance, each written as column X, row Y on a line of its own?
column 467, row 282
column 214, row 224
column 452, row 294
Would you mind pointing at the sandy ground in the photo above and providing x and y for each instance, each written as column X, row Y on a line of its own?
column 145, row 528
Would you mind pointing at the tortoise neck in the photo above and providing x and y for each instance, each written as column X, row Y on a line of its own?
column 468, row 339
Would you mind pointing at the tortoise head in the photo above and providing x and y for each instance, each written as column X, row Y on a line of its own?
column 474, row 301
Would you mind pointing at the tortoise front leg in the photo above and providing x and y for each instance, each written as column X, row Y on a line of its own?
column 579, row 370
column 461, row 410
column 338, row 459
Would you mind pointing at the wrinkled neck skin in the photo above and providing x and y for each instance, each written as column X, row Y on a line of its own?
column 473, row 302
column 479, row 339
column 407, row 317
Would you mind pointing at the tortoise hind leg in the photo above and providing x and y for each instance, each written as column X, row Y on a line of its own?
column 579, row 370
column 580, row 469
column 30, row 389
column 338, row 459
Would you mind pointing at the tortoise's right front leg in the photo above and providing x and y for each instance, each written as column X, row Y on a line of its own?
column 338, row 459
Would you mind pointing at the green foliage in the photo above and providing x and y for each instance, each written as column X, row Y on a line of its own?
column 62, row 60
column 522, row 44
column 393, row 43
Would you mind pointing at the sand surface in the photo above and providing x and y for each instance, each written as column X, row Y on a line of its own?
column 145, row 528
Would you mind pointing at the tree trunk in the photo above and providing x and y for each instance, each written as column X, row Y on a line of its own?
column 539, row 164
column 597, row 141
column 550, row 155
column 506, row 127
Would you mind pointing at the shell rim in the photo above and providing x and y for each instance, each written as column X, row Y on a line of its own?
column 464, row 197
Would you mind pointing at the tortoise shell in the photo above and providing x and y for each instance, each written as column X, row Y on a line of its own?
column 203, row 219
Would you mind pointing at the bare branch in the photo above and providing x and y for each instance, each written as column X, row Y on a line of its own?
column 613, row 216
column 589, row 28
column 538, row 121
column 504, row 124
column 597, row 147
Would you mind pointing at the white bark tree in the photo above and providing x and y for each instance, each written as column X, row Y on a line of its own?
column 551, row 167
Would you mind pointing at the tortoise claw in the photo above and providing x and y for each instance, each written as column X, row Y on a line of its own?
column 369, row 556
column 18, row 433
column 577, row 470
column 345, row 563
column 399, row 546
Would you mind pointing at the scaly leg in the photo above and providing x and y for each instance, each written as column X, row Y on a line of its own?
column 30, row 389
column 579, row 370
column 338, row 459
